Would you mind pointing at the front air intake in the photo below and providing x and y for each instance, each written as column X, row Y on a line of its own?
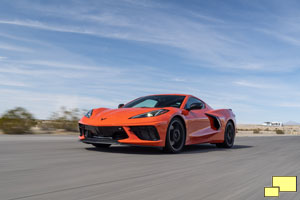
column 113, row 132
column 145, row 132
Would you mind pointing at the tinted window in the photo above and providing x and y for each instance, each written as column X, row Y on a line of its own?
column 158, row 101
column 192, row 100
column 149, row 103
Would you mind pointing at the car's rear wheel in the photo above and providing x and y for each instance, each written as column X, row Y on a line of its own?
column 229, row 136
column 101, row 145
column 175, row 138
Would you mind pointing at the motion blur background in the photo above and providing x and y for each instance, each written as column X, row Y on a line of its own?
column 242, row 55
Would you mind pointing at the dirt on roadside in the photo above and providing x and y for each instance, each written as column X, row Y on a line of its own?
column 260, row 130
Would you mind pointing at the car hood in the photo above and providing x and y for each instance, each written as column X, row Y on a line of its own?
column 123, row 113
column 109, row 117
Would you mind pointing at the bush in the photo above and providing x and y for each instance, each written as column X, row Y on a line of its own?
column 64, row 119
column 256, row 131
column 279, row 131
column 17, row 121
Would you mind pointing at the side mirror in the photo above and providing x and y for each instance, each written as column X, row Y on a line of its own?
column 120, row 105
column 196, row 106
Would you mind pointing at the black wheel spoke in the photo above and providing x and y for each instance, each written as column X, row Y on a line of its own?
column 229, row 135
column 176, row 135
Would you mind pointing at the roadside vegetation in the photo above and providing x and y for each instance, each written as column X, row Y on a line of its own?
column 20, row 121
column 256, row 131
column 279, row 131
column 63, row 119
column 17, row 121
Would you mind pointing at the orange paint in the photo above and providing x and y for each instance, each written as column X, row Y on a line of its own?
column 199, row 127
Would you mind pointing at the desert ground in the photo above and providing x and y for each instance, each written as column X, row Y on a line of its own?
column 260, row 130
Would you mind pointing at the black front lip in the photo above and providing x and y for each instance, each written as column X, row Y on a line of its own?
column 100, row 140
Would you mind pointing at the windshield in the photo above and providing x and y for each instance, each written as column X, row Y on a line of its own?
column 158, row 101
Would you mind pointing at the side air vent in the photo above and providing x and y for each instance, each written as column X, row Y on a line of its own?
column 214, row 121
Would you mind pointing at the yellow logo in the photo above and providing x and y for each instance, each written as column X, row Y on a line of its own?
column 281, row 184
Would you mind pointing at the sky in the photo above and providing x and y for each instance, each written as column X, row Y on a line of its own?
column 243, row 55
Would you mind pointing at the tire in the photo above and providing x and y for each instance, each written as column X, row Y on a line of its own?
column 175, row 137
column 229, row 136
column 101, row 145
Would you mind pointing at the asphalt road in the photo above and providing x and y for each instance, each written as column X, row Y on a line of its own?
column 60, row 168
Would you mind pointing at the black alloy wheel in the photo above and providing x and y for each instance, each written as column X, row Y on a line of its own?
column 175, row 138
column 229, row 136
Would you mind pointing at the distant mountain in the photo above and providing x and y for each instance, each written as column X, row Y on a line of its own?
column 291, row 123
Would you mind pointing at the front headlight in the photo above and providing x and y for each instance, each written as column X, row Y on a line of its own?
column 89, row 113
column 151, row 114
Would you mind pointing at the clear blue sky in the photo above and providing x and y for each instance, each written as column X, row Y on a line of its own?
column 243, row 55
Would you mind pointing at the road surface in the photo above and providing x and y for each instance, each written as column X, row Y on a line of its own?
column 59, row 167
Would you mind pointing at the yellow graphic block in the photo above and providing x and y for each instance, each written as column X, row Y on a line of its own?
column 285, row 183
column 271, row 191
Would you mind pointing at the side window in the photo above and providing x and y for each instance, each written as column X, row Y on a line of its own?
column 192, row 100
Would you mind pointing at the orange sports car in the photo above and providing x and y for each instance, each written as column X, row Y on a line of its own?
column 170, row 121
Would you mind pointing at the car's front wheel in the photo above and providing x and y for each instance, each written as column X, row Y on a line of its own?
column 101, row 145
column 175, row 138
column 229, row 136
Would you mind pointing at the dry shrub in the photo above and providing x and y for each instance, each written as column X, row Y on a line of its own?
column 256, row 131
column 17, row 121
column 64, row 119
column 279, row 131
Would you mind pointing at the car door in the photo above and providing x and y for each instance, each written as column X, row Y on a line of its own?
column 196, row 121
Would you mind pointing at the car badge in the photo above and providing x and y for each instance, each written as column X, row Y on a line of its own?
column 103, row 118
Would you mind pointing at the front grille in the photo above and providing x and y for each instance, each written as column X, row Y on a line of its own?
column 145, row 132
column 111, row 132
